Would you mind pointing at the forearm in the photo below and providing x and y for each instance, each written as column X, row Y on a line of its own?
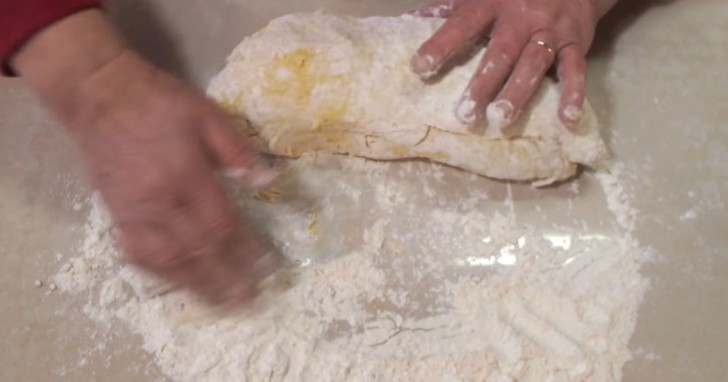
column 59, row 60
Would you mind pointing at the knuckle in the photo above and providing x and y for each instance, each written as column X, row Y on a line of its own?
column 572, row 50
column 505, row 56
column 463, row 25
column 505, row 50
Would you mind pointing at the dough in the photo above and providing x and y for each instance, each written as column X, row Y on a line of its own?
column 325, row 83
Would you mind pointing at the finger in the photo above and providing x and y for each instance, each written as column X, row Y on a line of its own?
column 199, row 264
column 503, row 51
column 236, row 252
column 224, row 283
column 182, row 248
column 153, row 246
column 440, row 8
column 572, row 74
column 536, row 58
column 463, row 27
column 232, row 154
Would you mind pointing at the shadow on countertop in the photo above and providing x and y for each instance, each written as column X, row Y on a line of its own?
column 141, row 24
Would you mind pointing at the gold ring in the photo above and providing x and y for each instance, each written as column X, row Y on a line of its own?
column 543, row 44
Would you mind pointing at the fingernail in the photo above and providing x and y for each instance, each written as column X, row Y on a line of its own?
column 500, row 114
column 465, row 110
column 572, row 115
column 423, row 66
column 261, row 177
column 235, row 173
column 256, row 177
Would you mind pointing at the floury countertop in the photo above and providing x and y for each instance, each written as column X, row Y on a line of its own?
column 656, row 81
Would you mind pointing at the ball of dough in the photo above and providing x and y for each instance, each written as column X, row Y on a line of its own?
column 326, row 83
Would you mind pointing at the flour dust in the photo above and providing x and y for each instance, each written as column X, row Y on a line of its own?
column 404, row 272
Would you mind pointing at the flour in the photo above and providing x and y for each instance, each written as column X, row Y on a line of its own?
column 403, row 271
column 396, row 286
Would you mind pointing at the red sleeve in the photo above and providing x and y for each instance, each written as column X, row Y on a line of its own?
column 21, row 19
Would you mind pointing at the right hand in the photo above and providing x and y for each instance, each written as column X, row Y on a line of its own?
column 153, row 146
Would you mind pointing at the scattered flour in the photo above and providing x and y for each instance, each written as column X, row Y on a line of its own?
column 394, row 284
column 690, row 214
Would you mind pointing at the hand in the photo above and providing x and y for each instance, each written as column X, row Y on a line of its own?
column 153, row 146
column 526, row 38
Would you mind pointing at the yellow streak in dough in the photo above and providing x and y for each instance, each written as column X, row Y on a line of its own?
column 295, row 75
column 233, row 104
column 313, row 224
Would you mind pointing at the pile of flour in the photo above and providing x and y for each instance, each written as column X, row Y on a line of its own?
column 397, row 280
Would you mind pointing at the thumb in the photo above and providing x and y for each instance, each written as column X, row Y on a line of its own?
column 234, row 156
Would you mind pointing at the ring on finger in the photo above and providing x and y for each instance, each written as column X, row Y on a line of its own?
column 544, row 45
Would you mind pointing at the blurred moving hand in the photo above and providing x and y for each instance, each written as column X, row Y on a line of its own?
column 153, row 146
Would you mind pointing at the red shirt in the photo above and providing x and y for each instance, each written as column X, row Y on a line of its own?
column 21, row 19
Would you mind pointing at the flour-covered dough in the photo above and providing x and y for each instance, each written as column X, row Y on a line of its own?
column 320, row 82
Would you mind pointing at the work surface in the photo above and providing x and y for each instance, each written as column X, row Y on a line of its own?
column 656, row 81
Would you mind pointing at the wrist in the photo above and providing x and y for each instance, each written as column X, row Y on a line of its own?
column 59, row 59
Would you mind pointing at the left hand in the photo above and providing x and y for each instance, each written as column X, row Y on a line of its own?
column 526, row 38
